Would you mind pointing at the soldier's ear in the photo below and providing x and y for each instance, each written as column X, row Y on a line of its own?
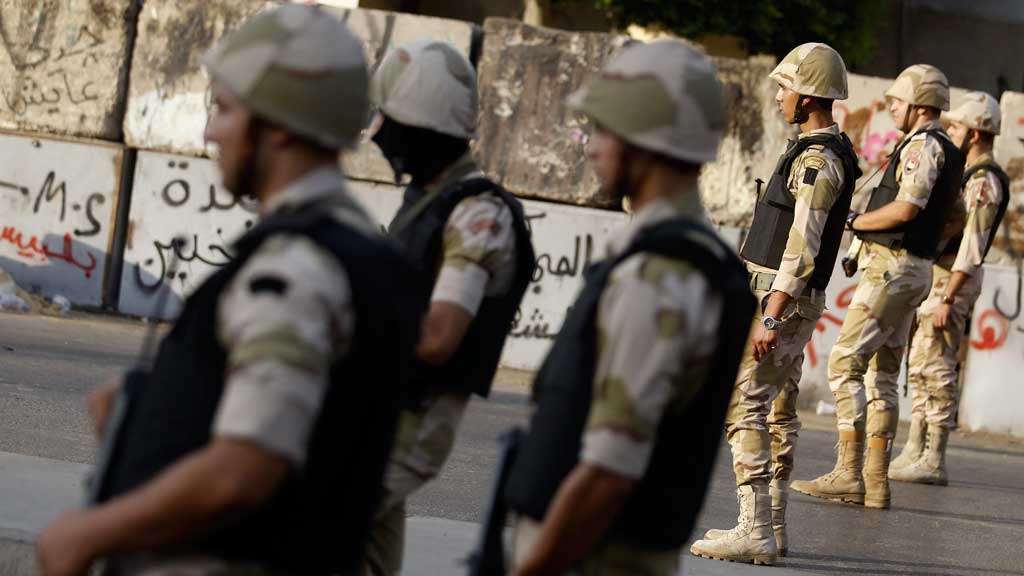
column 974, row 137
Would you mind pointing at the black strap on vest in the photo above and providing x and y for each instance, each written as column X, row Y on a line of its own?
column 953, row 247
column 663, row 505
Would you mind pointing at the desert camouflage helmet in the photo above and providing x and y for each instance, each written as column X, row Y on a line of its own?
column 428, row 84
column 921, row 85
column 299, row 67
column 978, row 111
column 663, row 97
column 813, row 69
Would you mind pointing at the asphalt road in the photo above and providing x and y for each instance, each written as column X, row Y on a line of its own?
column 973, row 527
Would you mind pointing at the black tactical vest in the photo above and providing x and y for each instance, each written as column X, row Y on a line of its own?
column 663, row 505
column 473, row 365
column 923, row 234
column 318, row 520
column 773, row 215
column 1004, row 180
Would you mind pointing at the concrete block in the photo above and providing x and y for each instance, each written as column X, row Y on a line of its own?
column 169, row 100
column 176, row 197
column 1009, row 152
column 529, row 140
column 63, row 65
column 58, row 199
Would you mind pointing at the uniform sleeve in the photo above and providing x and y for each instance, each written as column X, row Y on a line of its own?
column 816, row 184
column 985, row 194
column 284, row 320
column 920, row 164
column 657, row 321
column 478, row 245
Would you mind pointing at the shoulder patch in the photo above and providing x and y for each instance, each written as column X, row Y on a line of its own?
column 266, row 283
column 814, row 162
column 810, row 175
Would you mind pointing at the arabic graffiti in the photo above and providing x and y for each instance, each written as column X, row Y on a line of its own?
column 181, row 251
column 995, row 324
column 33, row 249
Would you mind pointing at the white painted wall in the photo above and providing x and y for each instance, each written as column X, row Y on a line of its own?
column 57, row 201
column 993, row 391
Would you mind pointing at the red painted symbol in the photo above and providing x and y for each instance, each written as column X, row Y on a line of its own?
column 993, row 328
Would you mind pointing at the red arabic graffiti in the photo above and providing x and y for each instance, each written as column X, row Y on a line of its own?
column 33, row 248
column 842, row 303
column 993, row 328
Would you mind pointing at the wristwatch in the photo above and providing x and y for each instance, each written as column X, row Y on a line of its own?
column 948, row 299
column 770, row 323
column 850, row 219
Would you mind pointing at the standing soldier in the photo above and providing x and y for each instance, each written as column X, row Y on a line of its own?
column 901, row 234
column 790, row 253
column 956, row 284
column 258, row 442
column 470, row 240
column 631, row 398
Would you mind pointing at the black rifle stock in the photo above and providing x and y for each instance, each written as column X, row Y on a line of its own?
column 133, row 380
column 488, row 559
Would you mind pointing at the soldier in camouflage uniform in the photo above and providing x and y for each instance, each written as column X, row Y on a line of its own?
column 638, row 380
column 790, row 265
column 957, row 277
column 901, row 232
column 251, row 446
column 469, row 238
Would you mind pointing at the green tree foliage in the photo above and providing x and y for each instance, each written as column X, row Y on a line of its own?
column 767, row 26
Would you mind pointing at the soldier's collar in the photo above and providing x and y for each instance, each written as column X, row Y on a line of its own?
column 320, row 182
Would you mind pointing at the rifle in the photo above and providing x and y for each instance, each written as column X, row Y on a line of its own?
column 133, row 381
column 488, row 559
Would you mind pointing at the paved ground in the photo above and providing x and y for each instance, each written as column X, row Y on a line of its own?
column 973, row 527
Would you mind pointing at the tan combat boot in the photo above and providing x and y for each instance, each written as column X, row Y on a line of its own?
column 715, row 533
column 876, row 473
column 914, row 447
column 845, row 482
column 930, row 468
column 752, row 541
column 779, row 492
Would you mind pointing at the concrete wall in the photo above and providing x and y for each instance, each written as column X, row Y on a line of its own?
column 58, row 200
column 63, row 65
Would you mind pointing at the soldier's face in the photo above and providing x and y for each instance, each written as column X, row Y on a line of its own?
column 787, row 101
column 958, row 133
column 228, row 128
column 900, row 112
column 605, row 152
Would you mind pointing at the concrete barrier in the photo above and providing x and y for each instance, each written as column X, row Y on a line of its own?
column 63, row 66
column 58, row 199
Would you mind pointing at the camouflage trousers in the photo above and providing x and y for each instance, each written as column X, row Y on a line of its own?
column 424, row 440
column 864, row 366
column 605, row 559
column 762, row 424
column 932, row 375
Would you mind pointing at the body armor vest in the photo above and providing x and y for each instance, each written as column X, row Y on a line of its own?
column 318, row 519
column 923, row 234
column 663, row 505
column 1004, row 180
column 773, row 215
column 472, row 366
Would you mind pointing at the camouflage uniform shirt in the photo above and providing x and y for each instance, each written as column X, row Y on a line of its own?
column 920, row 163
column 982, row 195
column 281, row 344
column 657, row 329
column 815, row 193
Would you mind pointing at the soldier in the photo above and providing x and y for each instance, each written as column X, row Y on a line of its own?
column 901, row 233
column 631, row 398
column 956, row 282
column 258, row 442
column 471, row 242
column 790, row 253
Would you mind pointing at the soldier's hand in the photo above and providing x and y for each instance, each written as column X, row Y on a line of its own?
column 764, row 341
column 100, row 402
column 61, row 549
column 941, row 319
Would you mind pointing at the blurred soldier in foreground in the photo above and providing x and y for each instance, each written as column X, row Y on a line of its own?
column 632, row 397
column 901, row 234
column 470, row 240
column 790, row 253
column 258, row 443
column 956, row 283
